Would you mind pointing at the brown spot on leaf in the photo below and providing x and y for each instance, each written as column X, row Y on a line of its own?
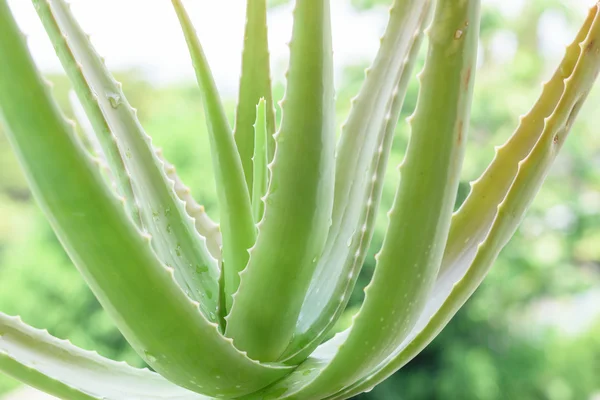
column 468, row 78
column 556, row 139
column 460, row 132
column 590, row 46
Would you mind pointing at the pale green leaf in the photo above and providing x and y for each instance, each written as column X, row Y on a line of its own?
column 163, row 215
column 362, row 161
column 255, row 83
column 141, row 295
column 237, row 226
column 292, row 233
column 420, row 217
column 260, row 161
column 61, row 369
column 460, row 279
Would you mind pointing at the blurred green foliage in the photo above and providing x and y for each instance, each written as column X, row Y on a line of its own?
column 496, row 348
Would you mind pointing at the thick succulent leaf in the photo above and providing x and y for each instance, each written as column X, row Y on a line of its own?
column 420, row 217
column 360, row 133
column 115, row 258
column 260, row 161
column 205, row 226
column 298, row 205
column 471, row 224
column 349, row 239
column 456, row 284
column 95, row 128
column 92, row 144
column 255, row 83
column 87, row 130
column 163, row 214
column 61, row 369
column 237, row 226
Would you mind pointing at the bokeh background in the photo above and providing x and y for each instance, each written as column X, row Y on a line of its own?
column 531, row 332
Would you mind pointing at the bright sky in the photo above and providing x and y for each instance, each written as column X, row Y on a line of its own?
column 145, row 34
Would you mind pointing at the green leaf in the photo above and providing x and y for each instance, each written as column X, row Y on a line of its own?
column 114, row 257
column 459, row 281
column 237, row 225
column 361, row 164
column 260, row 161
column 92, row 144
column 163, row 215
column 255, row 83
column 472, row 222
column 90, row 140
column 96, row 129
column 420, row 216
column 206, row 227
column 292, row 233
column 61, row 369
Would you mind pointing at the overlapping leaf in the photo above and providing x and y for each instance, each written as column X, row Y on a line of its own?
column 61, row 369
column 117, row 261
column 361, row 164
column 298, row 204
column 557, row 108
column 420, row 217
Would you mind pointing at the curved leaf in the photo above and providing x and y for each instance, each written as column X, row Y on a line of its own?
column 205, row 226
column 458, row 282
column 472, row 222
column 367, row 141
column 292, row 233
column 61, row 369
column 255, row 83
column 420, row 217
column 163, row 215
column 237, row 225
column 260, row 161
column 115, row 258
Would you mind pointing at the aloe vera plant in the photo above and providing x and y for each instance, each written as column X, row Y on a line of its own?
column 242, row 309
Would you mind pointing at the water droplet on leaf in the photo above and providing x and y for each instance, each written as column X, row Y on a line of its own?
column 201, row 269
column 151, row 358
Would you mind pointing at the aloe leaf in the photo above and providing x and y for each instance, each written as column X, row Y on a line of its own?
column 359, row 134
column 255, row 83
column 103, row 144
column 91, row 143
column 420, row 216
column 454, row 287
column 205, row 226
column 117, row 261
column 237, row 225
column 472, row 222
column 163, row 215
column 338, row 269
column 292, row 233
column 61, row 369
column 91, row 140
column 260, row 161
